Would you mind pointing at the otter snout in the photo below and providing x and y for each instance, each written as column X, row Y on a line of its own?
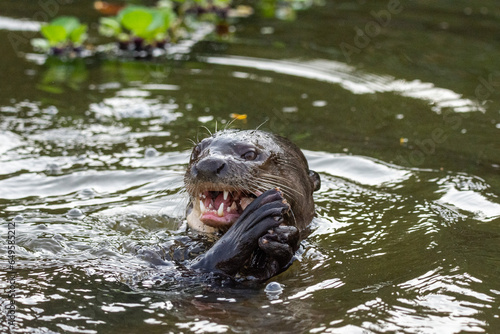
column 210, row 169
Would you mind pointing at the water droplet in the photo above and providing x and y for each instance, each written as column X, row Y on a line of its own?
column 75, row 213
column 18, row 219
column 86, row 193
column 53, row 169
column 273, row 287
column 150, row 152
column 273, row 290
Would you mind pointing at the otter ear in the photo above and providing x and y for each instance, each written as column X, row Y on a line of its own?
column 315, row 180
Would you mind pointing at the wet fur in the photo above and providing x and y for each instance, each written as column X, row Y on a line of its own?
column 262, row 242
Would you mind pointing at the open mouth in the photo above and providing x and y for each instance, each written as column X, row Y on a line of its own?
column 222, row 208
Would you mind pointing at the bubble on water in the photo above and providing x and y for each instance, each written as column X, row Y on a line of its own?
column 53, row 169
column 18, row 219
column 273, row 290
column 150, row 152
column 86, row 193
column 75, row 213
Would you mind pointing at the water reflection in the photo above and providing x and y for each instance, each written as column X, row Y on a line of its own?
column 356, row 82
column 471, row 201
column 59, row 74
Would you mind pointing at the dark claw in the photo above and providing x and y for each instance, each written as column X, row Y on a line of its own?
column 280, row 244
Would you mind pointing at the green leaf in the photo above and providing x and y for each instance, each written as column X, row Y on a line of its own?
column 69, row 23
column 55, row 34
column 222, row 3
column 79, row 34
column 168, row 16
column 159, row 23
column 162, row 20
column 136, row 19
column 109, row 27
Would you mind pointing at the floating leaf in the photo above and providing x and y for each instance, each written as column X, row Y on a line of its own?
column 109, row 27
column 54, row 34
column 69, row 23
column 79, row 34
column 136, row 19
column 239, row 117
column 162, row 19
column 63, row 30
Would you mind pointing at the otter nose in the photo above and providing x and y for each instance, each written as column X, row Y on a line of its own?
column 210, row 168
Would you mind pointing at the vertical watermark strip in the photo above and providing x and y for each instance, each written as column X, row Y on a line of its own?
column 10, row 307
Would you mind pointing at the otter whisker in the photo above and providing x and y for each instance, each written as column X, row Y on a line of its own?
column 288, row 163
column 270, row 186
column 271, row 178
column 228, row 124
column 266, row 185
column 218, row 177
column 261, row 124
column 208, row 130
column 293, row 216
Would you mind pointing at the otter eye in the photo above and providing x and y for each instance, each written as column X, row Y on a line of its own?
column 250, row 155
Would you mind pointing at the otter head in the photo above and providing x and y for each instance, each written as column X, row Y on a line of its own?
column 228, row 170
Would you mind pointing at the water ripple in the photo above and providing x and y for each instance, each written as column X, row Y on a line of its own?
column 356, row 81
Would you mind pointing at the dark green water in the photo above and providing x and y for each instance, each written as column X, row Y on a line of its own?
column 402, row 121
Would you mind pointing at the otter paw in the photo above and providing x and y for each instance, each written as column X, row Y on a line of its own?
column 265, row 212
column 235, row 248
column 280, row 243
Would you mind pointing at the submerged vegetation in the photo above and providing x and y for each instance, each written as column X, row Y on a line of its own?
column 139, row 30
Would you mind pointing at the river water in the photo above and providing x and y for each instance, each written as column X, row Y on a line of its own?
column 394, row 104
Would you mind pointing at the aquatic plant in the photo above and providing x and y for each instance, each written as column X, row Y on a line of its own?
column 62, row 35
column 142, row 32
column 139, row 28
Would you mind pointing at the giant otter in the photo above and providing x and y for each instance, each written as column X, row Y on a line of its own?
column 255, row 188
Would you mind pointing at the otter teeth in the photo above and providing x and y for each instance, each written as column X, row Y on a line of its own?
column 220, row 212
column 235, row 204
